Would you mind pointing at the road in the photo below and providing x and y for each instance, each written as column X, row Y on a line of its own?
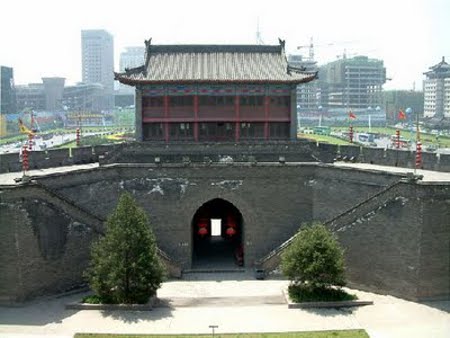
column 41, row 144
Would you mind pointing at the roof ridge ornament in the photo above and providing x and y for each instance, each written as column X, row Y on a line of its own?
column 148, row 44
column 282, row 43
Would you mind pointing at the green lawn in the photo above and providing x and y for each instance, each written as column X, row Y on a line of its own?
column 11, row 139
column 311, row 334
column 323, row 139
column 427, row 139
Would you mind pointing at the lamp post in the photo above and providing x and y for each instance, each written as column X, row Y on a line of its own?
column 377, row 109
column 213, row 327
column 409, row 116
column 320, row 115
column 418, row 162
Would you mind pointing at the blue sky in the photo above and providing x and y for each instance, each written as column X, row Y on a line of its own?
column 43, row 38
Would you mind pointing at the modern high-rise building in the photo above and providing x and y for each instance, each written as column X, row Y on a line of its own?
column 31, row 97
column 7, row 92
column 353, row 83
column 131, row 57
column 52, row 96
column 98, row 62
column 54, row 89
column 83, row 98
column 437, row 90
column 308, row 94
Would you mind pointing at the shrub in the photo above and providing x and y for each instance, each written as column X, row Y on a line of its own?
column 303, row 293
column 314, row 259
column 125, row 266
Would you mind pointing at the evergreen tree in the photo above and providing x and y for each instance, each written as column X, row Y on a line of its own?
column 125, row 267
column 314, row 259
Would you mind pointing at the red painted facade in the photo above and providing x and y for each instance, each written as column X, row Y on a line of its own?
column 217, row 114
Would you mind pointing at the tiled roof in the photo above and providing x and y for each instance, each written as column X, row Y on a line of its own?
column 215, row 63
column 442, row 69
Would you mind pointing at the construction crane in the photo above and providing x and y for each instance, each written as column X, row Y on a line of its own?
column 23, row 129
column 311, row 46
column 34, row 125
column 344, row 55
column 259, row 40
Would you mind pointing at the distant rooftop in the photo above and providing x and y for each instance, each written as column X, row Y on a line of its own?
column 442, row 69
column 214, row 64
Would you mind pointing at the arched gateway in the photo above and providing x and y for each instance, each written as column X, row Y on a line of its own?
column 217, row 230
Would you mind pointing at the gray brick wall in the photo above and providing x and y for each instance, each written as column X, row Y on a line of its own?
column 401, row 249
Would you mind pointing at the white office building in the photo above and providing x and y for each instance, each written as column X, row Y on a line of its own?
column 437, row 91
column 97, row 49
column 130, row 58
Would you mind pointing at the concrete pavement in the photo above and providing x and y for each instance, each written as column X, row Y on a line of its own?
column 9, row 178
column 236, row 302
column 428, row 175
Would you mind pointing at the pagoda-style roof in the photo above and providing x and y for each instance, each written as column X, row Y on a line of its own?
column 215, row 64
column 442, row 69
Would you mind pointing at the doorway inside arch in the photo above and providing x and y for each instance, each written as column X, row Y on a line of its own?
column 217, row 229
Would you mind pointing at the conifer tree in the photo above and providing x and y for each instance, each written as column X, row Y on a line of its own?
column 125, row 267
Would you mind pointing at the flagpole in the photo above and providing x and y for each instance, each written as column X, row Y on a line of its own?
column 351, row 116
column 418, row 145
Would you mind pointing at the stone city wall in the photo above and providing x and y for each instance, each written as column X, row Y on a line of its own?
column 402, row 248
column 295, row 151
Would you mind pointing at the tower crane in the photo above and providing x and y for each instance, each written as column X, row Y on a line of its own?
column 259, row 40
column 311, row 46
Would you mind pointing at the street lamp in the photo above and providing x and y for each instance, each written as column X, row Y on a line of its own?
column 213, row 327
column 320, row 115
column 418, row 162
column 369, row 110
column 409, row 116
column 409, row 111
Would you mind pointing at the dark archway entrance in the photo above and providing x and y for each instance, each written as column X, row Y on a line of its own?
column 217, row 229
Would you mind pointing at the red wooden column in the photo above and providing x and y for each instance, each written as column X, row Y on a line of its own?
column 166, row 118
column 237, row 111
column 266, row 117
column 196, row 118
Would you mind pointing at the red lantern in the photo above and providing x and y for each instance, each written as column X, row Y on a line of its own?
column 418, row 154
column 230, row 231
column 202, row 223
column 231, row 222
column 202, row 231
column 78, row 137
column 25, row 165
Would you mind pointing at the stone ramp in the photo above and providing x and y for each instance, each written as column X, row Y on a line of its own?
column 220, row 301
column 364, row 210
column 205, row 289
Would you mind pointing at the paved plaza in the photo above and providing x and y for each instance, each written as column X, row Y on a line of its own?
column 236, row 302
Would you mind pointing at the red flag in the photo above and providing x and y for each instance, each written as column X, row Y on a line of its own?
column 351, row 115
column 401, row 115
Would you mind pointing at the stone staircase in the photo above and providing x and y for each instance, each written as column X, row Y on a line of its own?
column 37, row 190
column 357, row 214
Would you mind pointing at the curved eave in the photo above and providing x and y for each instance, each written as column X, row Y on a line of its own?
column 134, row 82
